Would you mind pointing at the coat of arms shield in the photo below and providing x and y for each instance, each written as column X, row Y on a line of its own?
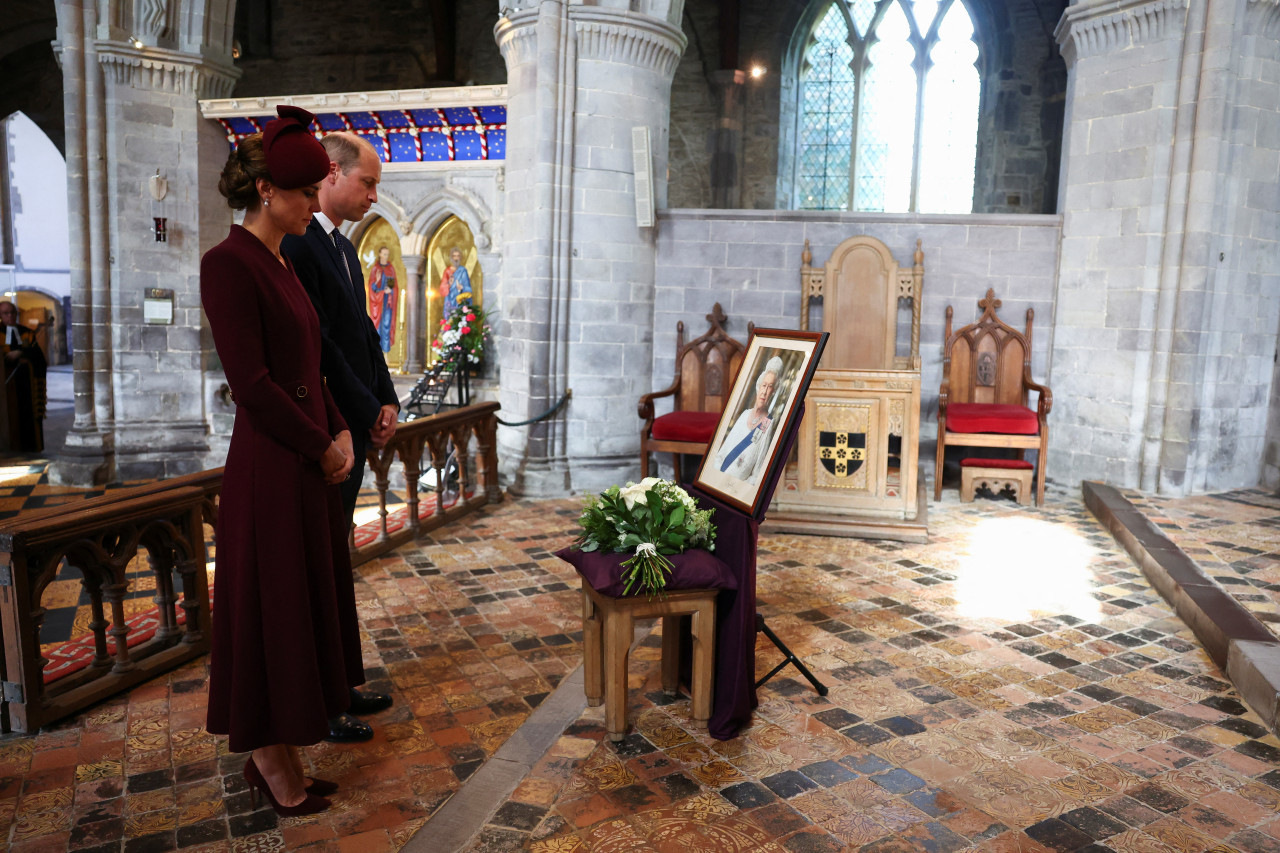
column 842, row 453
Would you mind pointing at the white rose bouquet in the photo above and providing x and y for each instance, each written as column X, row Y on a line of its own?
column 654, row 519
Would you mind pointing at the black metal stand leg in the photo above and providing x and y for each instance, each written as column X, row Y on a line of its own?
column 788, row 659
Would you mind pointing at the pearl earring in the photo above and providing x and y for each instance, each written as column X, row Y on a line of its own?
column 267, row 202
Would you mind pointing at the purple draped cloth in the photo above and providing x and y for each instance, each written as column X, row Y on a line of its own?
column 734, row 697
column 734, row 692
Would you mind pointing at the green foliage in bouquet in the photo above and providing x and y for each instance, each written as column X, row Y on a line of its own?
column 653, row 519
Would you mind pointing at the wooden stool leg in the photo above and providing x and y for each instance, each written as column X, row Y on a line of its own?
column 937, row 468
column 1040, row 479
column 617, row 647
column 1024, row 489
column 671, row 655
column 704, row 639
column 592, row 652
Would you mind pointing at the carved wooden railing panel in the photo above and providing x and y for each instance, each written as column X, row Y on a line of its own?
column 102, row 536
column 432, row 439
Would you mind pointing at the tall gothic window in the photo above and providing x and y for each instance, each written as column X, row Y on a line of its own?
column 889, row 108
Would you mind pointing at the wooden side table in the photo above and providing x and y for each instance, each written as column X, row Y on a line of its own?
column 607, row 632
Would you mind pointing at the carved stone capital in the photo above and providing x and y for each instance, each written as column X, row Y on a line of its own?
column 1095, row 27
column 517, row 37
column 665, row 10
column 614, row 36
column 166, row 70
column 602, row 33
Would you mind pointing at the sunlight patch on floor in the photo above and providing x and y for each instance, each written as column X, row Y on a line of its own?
column 14, row 472
column 366, row 514
column 1020, row 568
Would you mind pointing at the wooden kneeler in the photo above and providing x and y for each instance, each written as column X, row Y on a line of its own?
column 607, row 633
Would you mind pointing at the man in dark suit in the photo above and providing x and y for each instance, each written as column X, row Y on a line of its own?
column 350, row 350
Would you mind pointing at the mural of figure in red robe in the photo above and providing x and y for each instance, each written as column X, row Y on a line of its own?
column 382, row 298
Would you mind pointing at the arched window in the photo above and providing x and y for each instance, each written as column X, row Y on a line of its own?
column 889, row 108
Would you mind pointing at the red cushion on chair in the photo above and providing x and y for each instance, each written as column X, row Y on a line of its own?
column 686, row 426
column 1010, row 464
column 991, row 417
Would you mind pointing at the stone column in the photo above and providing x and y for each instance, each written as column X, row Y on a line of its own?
column 726, row 153
column 415, row 353
column 578, row 300
column 140, row 402
column 87, row 457
column 1168, row 299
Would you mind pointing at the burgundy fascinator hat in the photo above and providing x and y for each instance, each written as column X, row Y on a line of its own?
column 294, row 157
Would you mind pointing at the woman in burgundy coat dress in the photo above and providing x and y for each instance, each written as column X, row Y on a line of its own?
column 286, row 644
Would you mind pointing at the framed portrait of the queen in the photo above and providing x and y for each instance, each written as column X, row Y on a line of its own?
column 760, row 411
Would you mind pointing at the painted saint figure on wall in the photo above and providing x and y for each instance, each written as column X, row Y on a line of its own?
column 455, row 283
column 382, row 296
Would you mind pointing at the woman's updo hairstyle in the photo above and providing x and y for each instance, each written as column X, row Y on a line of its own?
column 239, row 181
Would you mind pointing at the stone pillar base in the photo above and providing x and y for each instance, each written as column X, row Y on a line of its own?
column 597, row 473
column 86, row 460
column 153, row 451
column 546, row 477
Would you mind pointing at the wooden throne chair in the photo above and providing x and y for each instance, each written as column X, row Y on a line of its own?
column 705, row 369
column 856, row 463
column 986, row 380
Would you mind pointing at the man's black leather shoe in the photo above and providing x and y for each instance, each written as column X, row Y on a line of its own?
column 368, row 702
column 345, row 728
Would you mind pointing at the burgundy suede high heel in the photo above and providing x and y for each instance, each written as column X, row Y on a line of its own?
column 319, row 787
column 253, row 778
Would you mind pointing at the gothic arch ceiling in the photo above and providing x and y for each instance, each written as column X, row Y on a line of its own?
column 30, row 80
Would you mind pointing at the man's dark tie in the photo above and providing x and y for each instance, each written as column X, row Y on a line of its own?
column 346, row 268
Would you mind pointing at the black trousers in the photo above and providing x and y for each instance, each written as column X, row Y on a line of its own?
column 351, row 486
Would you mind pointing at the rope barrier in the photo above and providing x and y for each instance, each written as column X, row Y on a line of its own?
column 542, row 417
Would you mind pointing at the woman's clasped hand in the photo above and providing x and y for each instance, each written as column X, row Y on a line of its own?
column 338, row 459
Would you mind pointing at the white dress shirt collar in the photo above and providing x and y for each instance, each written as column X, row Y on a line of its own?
column 325, row 223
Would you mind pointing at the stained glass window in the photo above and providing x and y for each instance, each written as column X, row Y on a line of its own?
column 889, row 108
column 826, row 132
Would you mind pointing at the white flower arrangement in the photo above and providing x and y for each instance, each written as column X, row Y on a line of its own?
column 653, row 519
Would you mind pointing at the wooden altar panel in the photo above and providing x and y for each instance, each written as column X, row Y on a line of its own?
column 866, row 393
column 870, row 407
column 864, row 276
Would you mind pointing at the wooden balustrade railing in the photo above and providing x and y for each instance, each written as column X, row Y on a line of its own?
column 102, row 536
column 447, row 440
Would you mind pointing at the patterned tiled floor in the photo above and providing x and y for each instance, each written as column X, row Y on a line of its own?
column 1014, row 685
column 468, row 631
column 1234, row 537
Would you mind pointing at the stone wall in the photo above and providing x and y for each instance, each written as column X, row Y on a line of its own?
column 301, row 47
column 1168, row 297
column 1254, row 138
column 749, row 262
column 297, row 47
column 1019, row 126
